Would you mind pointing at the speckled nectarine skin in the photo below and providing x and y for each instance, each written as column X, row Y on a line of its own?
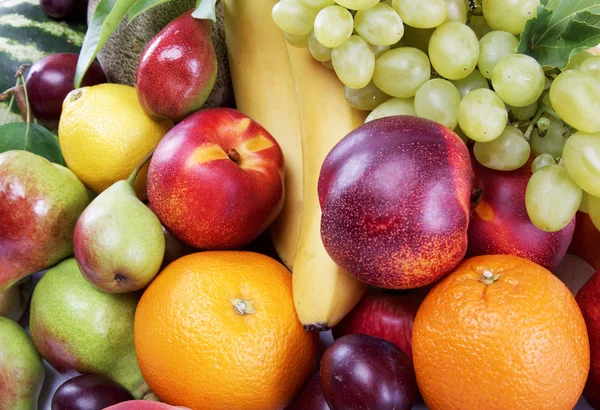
column 395, row 197
column 500, row 224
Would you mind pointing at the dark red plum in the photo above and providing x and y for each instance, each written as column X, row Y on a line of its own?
column 57, row 9
column 500, row 224
column 360, row 372
column 311, row 396
column 395, row 199
column 178, row 69
column 49, row 81
column 385, row 315
column 89, row 392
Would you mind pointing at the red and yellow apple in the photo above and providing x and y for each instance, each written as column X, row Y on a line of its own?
column 395, row 200
column 500, row 224
column 586, row 240
column 216, row 179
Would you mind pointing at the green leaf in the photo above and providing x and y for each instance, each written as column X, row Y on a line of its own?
column 106, row 18
column 142, row 6
column 14, row 136
column 561, row 30
column 205, row 9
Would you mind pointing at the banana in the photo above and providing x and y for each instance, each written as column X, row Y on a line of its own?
column 323, row 293
column 264, row 90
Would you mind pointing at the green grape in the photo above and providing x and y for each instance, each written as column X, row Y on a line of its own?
column 395, row 106
column 482, row 115
column 581, row 156
column 543, row 124
column 357, row 4
column 401, row 71
column 593, row 205
column 421, row 13
column 297, row 40
column 525, row 113
column 493, row 47
column 471, row 82
column 541, row 161
column 327, row 64
column 575, row 96
column 509, row 15
column 318, row 50
column 553, row 140
column 518, row 79
column 380, row 25
column 552, row 198
column 378, row 51
column 456, row 11
column 333, row 26
column 354, row 62
column 508, row 152
column 584, row 206
column 367, row 98
column 388, row 2
column 438, row 100
column 578, row 59
column 318, row 4
column 294, row 17
column 592, row 67
column 416, row 37
column 454, row 50
column 479, row 25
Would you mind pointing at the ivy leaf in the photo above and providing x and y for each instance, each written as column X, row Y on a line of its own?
column 205, row 9
column 562, row 29
column 142, row 6
column 14, row 136
column 106, row 18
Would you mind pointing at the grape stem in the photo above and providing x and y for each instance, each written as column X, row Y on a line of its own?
column 541, row 111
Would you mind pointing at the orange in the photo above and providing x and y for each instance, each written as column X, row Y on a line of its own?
column 199, row 347
column 500, row 333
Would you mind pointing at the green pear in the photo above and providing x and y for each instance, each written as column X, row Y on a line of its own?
column 118, row 241
column 77, row 327
column 39, row 206
column 13, row 300
column 21, row 368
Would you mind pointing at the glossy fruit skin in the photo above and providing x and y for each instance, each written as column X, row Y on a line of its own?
column 144, row 405
column 500, row 225
column 588, row 299
column 57, row 9
column 50, row 79
column 395, row 195
column 89, row 392
column 361, row 372
column 311, row 396
column 384, row 315
column 513, row 337
column 586, row 240
column 178, row 69
column 203, row 196
column 189, row 308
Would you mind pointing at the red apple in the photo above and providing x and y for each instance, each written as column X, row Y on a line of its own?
column 395, row 196
column 216, row 180
column 586, row 240
column 311, row 396
column 500, row 224
column 177, row 69
column 588, row 299
column 384, row 315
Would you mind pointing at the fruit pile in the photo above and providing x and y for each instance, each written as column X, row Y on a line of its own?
column 387, row 52
column 417, row 181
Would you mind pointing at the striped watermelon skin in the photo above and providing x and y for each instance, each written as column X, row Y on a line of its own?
column 28, row 34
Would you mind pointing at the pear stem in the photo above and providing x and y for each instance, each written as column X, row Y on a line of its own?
column 137, row 169
column 26, row 102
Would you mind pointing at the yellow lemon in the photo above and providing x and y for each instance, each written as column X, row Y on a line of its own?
column 104, row 134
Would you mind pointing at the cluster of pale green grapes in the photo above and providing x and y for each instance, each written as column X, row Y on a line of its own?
column 454, row 62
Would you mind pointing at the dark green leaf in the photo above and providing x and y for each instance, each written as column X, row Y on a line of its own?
column 205, row 9
column 14, row 136
column 142, row 6
column 106, row 18
column 561, row 30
